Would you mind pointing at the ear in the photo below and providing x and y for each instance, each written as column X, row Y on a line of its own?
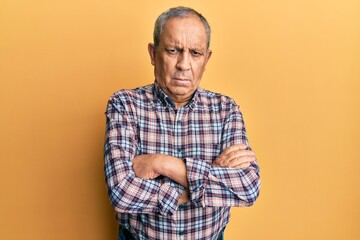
column 209, row 53
column 151, row 50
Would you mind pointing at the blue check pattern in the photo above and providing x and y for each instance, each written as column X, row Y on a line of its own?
column 145, row 121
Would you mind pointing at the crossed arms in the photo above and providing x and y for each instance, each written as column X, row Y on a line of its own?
column 151, row 166
column 232, row 179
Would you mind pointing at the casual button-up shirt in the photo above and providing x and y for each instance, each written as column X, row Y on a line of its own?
column 146, row 121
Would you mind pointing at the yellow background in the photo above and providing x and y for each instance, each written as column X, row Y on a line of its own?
column 293, row 66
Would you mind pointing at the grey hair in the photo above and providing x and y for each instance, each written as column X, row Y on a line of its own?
column 178, row 12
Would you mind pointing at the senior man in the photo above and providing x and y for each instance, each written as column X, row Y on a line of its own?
column 176, row 155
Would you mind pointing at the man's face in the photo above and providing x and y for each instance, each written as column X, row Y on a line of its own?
column 180, row 59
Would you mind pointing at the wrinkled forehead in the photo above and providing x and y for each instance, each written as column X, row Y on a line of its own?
column 182, row 30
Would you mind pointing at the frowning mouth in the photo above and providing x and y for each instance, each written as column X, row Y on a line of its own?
column 181, row 79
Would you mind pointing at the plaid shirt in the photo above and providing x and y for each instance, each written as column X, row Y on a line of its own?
column 145, row 121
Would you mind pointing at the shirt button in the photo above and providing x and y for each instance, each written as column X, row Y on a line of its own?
column 178, row 122
column 179, row 150
column 182, row 232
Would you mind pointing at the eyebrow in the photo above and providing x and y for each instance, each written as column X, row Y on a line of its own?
column 198, row 49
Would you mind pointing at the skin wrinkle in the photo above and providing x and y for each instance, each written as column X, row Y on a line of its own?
column 212, row 187
column 180, row 59
column 179, row 62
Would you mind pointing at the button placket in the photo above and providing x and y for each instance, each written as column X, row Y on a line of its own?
column 177, row 134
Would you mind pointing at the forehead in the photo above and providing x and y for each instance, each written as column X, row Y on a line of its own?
column 185, row 30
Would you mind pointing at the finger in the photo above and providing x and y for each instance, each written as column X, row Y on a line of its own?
column 243, row 165
column 237, row 154
column 241, row 160
column 230, row 150
column 216, row 163
column 235, row 161
column 218, row 160
column 234, row 148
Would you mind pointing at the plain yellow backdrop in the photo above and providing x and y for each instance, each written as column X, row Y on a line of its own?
column 292, row 66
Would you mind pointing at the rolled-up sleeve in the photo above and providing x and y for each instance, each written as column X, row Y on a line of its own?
column 221, row 186
column 128, row 193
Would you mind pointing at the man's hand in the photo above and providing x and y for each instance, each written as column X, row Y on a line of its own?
column 150, row 166
column 235, row 157
column 146, row 166
column 184, row 197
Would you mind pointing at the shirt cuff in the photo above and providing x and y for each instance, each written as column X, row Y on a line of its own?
column 168, row 199
column 198, row 179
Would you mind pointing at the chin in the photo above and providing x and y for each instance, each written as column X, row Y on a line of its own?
column 180, row 90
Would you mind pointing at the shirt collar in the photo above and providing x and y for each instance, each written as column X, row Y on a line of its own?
column 166, row 101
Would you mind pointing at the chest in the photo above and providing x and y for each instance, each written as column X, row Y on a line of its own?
column 182, row 133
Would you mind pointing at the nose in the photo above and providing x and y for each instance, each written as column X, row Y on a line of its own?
column 183, row 61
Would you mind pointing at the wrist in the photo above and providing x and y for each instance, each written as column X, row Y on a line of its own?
column 164, row 164
column 171, row 167
column 157, row 163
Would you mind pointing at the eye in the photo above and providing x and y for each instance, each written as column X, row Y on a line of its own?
column 172, row 50
column 197, row 53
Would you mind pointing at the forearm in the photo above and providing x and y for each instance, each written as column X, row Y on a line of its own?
column 209, row 185
column 222, row 186
column 150, row 166
column 240, row 190
column 127, row 192
column 131, row 194
column 174, row 168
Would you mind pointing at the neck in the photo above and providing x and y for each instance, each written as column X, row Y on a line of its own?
column 180, row 102
column 179, row 105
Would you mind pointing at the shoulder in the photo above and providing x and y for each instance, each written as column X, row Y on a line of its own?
column 209, row 99
column 132, row 96
column 128, row 100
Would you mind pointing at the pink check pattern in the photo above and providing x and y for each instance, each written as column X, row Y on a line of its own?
column 145, row 121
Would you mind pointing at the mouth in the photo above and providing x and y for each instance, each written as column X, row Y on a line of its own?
column 181, row 82
column 181, row 79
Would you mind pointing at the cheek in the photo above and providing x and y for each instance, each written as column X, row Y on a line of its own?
column 198, row 70
column 159, row 66
column 167, row 67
